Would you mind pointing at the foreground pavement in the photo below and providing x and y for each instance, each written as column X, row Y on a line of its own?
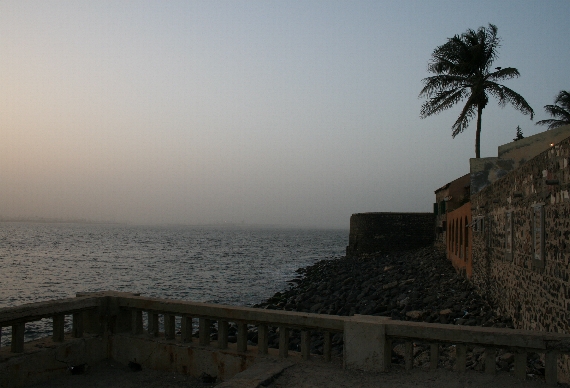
column 292, row 373
column 314, row 374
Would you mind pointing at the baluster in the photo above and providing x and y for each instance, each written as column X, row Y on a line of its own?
column 520, row 364
column 433, row 356
column 409, row 355
column 262, row 339
column 186, row 329
column 327, row 345
column 461, row 357
column 551, row 368
column 123, row 320
column 490, row 365
column 152, row 323
column 305, row 344
column 387, row 355
column 137, row 322
column 18, row 337
column 58, row 328
column 169, row 326
column 204, row 331
column 77, row 326
column 283, row 342
column 92, row 321
column 242, row 337
column 223, row 328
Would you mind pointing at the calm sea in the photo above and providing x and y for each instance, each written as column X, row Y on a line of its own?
column 229, row 265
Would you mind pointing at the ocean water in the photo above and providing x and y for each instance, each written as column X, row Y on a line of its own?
column 228, row 265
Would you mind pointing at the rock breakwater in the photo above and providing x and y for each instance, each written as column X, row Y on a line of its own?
column 418, row 285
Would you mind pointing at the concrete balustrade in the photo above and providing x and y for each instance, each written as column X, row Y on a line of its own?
column 186, row 329
column 368, row 340
column 208, row 313
column 18, row 316
column 262, row 339
column 18, row 330
column 77, row 325
column 283, row 341
column 153, row 324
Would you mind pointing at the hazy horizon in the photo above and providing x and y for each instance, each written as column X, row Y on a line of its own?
column 294, row 114
column 151, row 224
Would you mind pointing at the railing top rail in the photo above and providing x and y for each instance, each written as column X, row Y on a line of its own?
column 234, row 313
column 489, row 336
column 35, row 311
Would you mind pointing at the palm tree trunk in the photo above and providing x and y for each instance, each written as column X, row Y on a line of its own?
column 478, row 132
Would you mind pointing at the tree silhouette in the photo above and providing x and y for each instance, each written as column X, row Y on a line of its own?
column 463, row 71
column 519, row 134
column 560, row 111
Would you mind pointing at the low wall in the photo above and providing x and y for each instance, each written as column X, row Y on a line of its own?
column 44, row 359
column 185, row 358
column 368, row 340
column 385, row 232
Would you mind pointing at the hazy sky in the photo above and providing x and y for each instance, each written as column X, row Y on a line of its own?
column 294, row 113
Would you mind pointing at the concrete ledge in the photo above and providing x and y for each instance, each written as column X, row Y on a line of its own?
column 44, row 360
column 260, row 374
column 36, row 311
column 174, row 356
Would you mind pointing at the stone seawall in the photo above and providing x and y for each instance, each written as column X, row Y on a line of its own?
column 387, row 232
column 521, row 243
column 521, row 251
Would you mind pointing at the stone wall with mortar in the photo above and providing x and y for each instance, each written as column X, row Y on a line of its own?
column 520, row 261
column 385, row 232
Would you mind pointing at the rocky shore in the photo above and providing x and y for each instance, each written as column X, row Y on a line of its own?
column 418, row 285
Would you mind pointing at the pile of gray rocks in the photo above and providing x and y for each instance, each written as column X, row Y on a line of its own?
column 419, row 285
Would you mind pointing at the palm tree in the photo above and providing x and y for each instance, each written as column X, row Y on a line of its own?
column 561, row 110
column 463, row 71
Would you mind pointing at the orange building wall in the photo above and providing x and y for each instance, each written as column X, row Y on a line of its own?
column 459, row 239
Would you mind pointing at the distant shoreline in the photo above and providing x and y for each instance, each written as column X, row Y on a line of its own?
column 40, row 220
column 55, row 221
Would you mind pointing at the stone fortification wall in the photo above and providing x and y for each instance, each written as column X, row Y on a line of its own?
column 384, row 232
column 521, row 242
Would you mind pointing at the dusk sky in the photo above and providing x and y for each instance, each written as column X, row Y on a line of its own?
column 290, row 113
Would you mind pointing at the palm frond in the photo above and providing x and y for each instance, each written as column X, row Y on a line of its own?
column 504, row 74
column 553, row 123
column 492, row 44
column 464, row 118
column 560, row 111
column 557, row 112
column 442, row 101
column 563, row 99
column 506, row 95
column 438, row 83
